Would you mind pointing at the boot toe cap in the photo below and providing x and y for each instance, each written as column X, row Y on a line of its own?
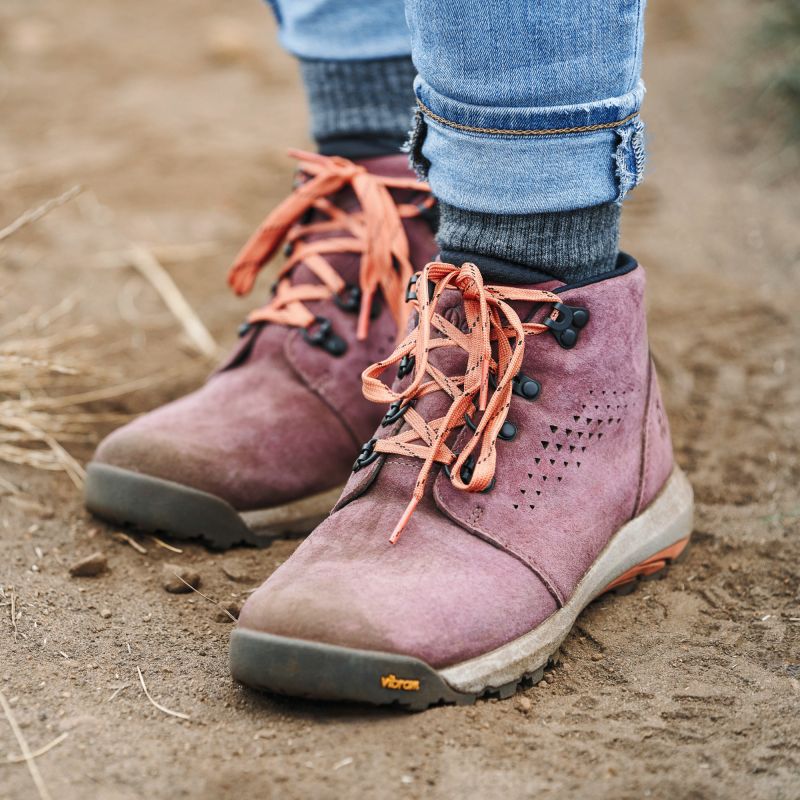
column 440, row 594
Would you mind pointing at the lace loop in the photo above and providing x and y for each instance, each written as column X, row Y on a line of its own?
column 375, row 232
column 494, row 341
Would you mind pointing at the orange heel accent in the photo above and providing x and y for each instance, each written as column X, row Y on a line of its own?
column 654, row 564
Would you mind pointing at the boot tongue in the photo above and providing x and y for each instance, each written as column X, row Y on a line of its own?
column 498, row 271
column 348, row 265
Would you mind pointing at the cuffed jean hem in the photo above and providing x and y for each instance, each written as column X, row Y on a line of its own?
column 528, row 160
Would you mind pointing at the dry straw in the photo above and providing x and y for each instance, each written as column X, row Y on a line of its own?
column 49, row 374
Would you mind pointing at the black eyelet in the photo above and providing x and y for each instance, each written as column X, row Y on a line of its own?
column 571, row 320
column 411, row 290
column 524, row 386
column 396, row 410
column 521, row 385
column 508, row 431
column 411, row 293
column 244, row 329
column 406, row 366
column 366, row 456
column 320, row 334
column 349, row 300
column 466, row 473
column 288, row 249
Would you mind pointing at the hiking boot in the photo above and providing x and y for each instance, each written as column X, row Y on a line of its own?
column 523, row 469
column 265, row 446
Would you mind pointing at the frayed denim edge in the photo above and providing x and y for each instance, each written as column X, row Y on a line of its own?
column 413, row 146
column 629, row 157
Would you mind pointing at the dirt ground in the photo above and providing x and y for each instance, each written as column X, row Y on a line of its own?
column 175, row 117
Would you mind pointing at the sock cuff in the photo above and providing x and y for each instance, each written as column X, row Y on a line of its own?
column 570, row 245
column 360, row 97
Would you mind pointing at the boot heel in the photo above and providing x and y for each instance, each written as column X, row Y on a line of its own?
column 648, row 568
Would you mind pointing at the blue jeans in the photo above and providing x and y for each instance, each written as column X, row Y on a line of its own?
column 524, row 105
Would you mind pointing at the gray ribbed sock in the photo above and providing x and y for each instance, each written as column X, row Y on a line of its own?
column 360, row 108
column 571, row 246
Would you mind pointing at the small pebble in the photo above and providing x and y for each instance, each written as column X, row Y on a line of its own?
column 235, row 572
column 89, row 567
column 524, row 704
column 105, row 613
column 172, row 575
column 597, row 656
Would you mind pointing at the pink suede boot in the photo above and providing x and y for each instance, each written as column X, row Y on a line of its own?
column 265, row 446
column 524, row 467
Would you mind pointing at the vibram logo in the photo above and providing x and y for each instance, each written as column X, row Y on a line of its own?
column 399, row 684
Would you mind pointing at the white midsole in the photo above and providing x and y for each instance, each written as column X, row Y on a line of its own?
column 667, row 520
column 318, row 505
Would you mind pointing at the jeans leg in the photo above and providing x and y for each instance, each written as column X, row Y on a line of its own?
column 528, row 105
column 351, row 30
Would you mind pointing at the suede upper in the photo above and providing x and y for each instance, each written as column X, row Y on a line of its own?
column 281, row 419
column 473, row 571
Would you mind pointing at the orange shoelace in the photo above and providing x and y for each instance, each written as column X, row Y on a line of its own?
column 375, row 231
column 495, row 345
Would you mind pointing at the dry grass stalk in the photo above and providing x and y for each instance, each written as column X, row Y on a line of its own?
column 206, row 597
column 165, row 253
column 35, row 422
column 8, row 488
column 164, row 709
column 117, row 691
column 13, row 610
column 149, row 266
column 41, row 787
column 21, row 455
column 165, row 545
column 12, row 759
column 123, row 537
column 33, row 214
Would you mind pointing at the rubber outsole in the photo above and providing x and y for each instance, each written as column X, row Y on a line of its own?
column 315, row 670
column 280, row 665
column 156, row 505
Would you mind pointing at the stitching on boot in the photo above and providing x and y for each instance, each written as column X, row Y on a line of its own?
column 506, row 546
column 475, row 515
column 645, row 460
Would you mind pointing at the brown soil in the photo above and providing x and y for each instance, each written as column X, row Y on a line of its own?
column 176, row 118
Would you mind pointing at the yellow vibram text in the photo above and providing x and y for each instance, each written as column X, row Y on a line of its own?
column 401, row 684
